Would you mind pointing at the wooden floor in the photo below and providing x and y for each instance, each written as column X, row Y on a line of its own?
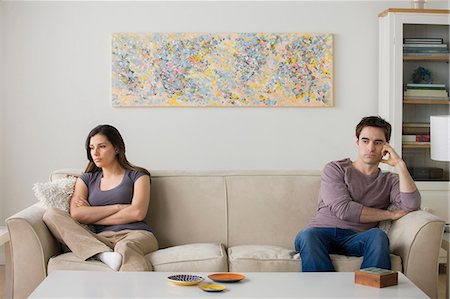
column 441, row 282
column 441, row 295
column 2, row 282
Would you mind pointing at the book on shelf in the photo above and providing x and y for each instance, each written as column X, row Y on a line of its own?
column 426, row 50
column 425, row 54
column 425, row 87
column 416, row 138
column 429, row 49
column 423, row 40
column 426, row 93
column 424, row 98
column 432, row 46
column 415, row 143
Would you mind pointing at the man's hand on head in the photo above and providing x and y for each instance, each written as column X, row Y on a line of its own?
column 390, row 156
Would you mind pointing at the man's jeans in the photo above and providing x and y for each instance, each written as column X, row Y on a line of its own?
column 315, row 245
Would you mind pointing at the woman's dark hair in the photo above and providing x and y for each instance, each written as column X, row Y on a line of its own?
column 113, row 136
column 374, row 121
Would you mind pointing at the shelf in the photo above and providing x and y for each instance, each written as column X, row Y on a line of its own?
column 416, row 125
column 427, row 102
column 444, row 57
column 414, row 145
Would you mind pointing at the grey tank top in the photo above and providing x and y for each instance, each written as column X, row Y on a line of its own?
column 121, row 194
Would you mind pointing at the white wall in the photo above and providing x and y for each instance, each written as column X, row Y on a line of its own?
column 2, row 205
column 2, row 208
column 56, row 87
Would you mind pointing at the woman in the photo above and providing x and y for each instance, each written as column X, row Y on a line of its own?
column 112, row 195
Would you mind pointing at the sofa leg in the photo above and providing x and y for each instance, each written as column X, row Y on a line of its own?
column 8, row 271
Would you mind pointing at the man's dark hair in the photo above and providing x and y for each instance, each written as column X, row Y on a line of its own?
column 374, row 121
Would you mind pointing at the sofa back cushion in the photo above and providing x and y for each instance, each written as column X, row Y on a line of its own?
column 188, row 208
column 64, row 173
column 230, row 208
column 270, row 209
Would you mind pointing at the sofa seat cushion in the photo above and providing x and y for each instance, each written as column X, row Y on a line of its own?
column 267, row 258
column 69, row 261
column 262, row 258
column 197, row 257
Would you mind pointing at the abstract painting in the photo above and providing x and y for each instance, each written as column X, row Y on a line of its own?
column 222, row 70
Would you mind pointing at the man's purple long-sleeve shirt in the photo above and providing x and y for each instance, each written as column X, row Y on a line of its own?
column 344, row 191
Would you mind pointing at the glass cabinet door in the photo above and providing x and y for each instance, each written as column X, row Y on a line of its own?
column 425, row 93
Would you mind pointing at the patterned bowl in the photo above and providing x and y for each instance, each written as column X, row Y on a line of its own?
column 185, row 279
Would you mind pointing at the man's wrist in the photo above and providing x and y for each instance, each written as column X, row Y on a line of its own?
column 388, row 215
column 400, row 164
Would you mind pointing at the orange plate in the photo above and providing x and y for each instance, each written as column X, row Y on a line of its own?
column 226, row 277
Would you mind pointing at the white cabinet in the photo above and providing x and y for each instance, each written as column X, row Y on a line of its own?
column 410, row 115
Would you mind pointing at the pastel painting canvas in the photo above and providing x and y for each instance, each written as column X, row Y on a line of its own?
column 222, row 70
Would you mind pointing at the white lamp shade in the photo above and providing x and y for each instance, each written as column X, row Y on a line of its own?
column 440, row 137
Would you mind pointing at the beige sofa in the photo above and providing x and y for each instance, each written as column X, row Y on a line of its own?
column 225, row 221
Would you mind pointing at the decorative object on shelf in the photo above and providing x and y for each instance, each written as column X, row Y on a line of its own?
column 440, row 137
column 421, row 75
column 418, row 4
column 222, row 69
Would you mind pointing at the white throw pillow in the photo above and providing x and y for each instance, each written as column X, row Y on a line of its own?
column 56, row 193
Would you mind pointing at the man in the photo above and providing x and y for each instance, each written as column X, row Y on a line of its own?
column 354, row 197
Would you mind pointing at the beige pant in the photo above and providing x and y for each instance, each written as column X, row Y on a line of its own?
column 133, row 245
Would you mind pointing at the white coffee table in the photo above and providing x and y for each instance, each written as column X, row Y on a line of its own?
column 91, row 284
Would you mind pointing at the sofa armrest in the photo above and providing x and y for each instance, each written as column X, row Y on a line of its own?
column 416, row 238
column 31, row 245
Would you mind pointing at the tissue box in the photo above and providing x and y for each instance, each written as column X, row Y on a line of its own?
column 376, row 277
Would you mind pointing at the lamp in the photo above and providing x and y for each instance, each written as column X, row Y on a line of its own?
column 440, row 137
